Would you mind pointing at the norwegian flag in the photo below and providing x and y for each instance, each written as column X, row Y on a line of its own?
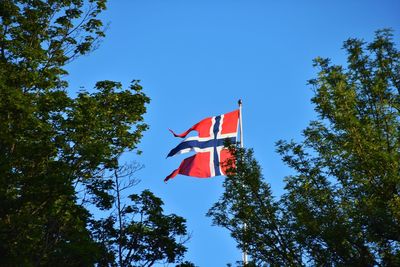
column 213, row 132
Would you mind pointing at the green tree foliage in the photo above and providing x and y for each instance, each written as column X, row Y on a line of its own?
column 186, row 264
column 55, row 149
column 146, row 236
column 139, row 234
column 37, row 38
column 341, row 207
column 248, row 210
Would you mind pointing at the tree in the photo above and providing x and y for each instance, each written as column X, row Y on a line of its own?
column 54, row 148
column 40, row 220
column 186, row 264
column 342, row 205
column 248, row 210
column 37, row 38
column 139, row 234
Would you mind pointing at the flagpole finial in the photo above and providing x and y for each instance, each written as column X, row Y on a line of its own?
column 240, row 102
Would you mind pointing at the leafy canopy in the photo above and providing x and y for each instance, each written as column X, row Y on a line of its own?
column 56, row 150
column 341, row 207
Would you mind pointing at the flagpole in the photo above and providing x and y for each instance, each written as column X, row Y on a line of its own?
column 241, row 146
column 240, row 123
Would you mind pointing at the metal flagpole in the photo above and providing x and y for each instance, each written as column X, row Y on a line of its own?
column 241, row 145
column 240, row 122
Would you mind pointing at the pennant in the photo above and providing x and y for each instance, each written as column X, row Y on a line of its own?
column 213, row 132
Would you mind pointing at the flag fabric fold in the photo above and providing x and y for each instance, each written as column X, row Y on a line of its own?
column 213, row 132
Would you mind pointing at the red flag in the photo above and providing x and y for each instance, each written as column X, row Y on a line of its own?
column 213, row 132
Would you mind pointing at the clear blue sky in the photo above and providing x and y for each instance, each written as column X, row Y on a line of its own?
column 197, row 58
